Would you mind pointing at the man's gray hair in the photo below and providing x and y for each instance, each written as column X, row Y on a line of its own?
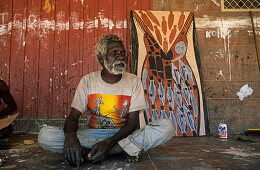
column 101, row 46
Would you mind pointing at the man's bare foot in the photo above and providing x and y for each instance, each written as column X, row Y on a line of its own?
column 132, row 158
column 117, row 150
column 114, row 151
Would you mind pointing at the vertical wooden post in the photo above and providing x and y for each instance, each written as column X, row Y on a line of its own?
column 256, row 44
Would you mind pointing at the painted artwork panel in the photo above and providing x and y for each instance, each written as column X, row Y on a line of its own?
column 166, row 59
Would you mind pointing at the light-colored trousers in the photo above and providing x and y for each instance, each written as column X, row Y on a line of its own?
column 151, row 135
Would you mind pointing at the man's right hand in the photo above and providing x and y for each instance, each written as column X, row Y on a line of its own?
column 72, row 149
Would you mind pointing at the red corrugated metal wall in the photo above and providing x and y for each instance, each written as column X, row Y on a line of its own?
column 47, row 45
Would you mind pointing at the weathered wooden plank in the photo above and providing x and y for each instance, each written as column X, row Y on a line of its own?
column 60, row 64
column 120, row 21
column 104, row 14
column 32, row 43
column 89, row 60
column 5, row 38
column 131, row 5
column 46, row 59
column 89, row 18
column 119, row 18
column 90, row 38
column 17, row 52
column 74, row 60
column 146, row 4
column 81, row 37
column 96, row 33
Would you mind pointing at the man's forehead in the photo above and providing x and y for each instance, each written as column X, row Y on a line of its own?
column 115, row 45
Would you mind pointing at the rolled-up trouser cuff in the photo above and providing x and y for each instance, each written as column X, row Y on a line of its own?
column 153, row 134
column 129, row 146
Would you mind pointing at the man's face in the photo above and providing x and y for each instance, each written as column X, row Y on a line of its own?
column 115, row 61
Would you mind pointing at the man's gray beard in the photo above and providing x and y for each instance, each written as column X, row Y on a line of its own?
column 114, row 69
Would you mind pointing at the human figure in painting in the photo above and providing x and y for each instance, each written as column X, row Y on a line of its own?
column 123, row 111
column 8, row 106
column 110, row 131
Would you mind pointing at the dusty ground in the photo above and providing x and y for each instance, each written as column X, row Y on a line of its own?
column 237, row 152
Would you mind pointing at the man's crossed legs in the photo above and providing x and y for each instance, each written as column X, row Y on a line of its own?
column 153, row 134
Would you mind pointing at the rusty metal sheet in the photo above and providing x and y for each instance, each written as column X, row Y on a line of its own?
column 5, row 38
column 31, row 60
column 60, row 61
column 17, row 51
column 75, row 56
column 46, row 59
column 89, row 63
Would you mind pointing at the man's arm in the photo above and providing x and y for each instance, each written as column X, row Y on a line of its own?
column 100, row 149
column 129, row 128
column 8, row 99
column 72, row 147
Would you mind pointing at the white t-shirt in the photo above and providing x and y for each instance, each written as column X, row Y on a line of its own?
column 108, row 104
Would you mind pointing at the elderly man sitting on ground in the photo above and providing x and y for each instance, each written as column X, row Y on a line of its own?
column 113, row 99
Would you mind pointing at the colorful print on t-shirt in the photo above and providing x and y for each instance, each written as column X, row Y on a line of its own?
column 108, row 111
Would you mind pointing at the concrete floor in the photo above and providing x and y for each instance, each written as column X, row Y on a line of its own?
column 237, row 152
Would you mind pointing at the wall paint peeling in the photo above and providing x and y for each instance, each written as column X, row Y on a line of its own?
column 215, row 2
column 228, row 23
column 33, row 22
column 5, row 28
column 224, row 29
column 252, row 34
column 221, row 74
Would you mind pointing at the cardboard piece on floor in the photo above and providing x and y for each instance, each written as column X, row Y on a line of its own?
column 7, row 121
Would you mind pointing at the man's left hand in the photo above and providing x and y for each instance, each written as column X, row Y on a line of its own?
column 99, row 151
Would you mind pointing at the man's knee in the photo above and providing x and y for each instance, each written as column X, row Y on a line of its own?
column 51, row 138
column 169, row 126
column 48, row 134
column 43, row 135
column 166, row 125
